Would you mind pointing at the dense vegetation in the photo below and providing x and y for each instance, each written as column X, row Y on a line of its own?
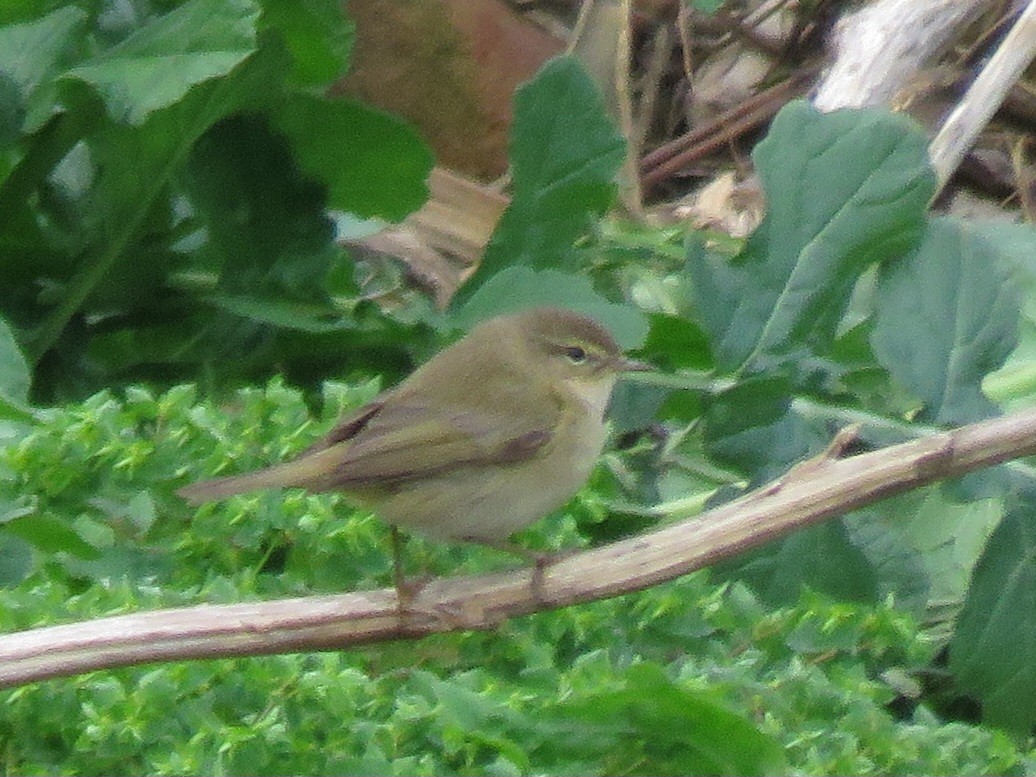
column 166, row 177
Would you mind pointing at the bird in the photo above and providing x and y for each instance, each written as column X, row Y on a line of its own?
column 491, row 434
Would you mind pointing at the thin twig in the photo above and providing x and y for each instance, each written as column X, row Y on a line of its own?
column 670, row 158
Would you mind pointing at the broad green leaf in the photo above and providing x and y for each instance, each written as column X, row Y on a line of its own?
column 16, row 557
column 993, row 652
column 822, row 558
column 318, row 38
column 843, row 190
column 949, row 536
column 748, row 426
column 266, row 221
column 565, row 153
column 898, row 569
column 1014, row 384
column 947, row 315
column 136, row 164
column 51, row 535
column 156, row 66
column 677, row 343
column 12, row 114
column 31, row 52
column 374, row 164
column 518, row 288
column 663, row 728
column 752, row 428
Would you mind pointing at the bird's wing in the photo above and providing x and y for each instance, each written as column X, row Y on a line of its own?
column 348, row 426
column 407, row 438
column 399, row 438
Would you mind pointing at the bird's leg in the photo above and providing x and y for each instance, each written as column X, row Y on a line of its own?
column 406, row 590
column 397, row 562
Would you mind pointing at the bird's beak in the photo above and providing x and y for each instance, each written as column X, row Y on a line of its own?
column 632, row 365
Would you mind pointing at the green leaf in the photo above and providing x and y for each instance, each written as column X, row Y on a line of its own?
column 31, row 52
column 993, row 651
column 156, row 66
column 677, row 343
column 843, row 191
column 518, row 288
column 897, row 568
column 822, row 558
column 135, row 167
column 14, row 372
column 319, row 39
column 374, row 164
column 748, row 426
column 1014, row 385
column 664, row 728
column 51, row 535
column 950, row 537
column 282, row 313
column 12, row 115
column 16, row 559
column 565, row 153
column 947, row 315
column 266, row 221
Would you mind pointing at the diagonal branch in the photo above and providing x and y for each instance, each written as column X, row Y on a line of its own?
column 820, row 488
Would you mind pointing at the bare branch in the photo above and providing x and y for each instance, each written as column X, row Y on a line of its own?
column 985, row 95
column 818, row 489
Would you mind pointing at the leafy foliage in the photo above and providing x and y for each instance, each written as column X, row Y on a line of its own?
column 168, row 184
column 565, row 153
column 686, row 677
column 848, row 304
column 166, row 175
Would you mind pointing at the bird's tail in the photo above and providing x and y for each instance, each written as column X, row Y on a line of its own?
column 314, row 472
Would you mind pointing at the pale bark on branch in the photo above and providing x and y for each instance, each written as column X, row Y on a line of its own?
column 820, row 488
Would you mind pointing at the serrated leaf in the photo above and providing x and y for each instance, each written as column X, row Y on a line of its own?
column 156, row 66
column 374, row 164
column 843, row 191
column 565, row 153
column 519, row 288
column 946, row 316
column 993, row 651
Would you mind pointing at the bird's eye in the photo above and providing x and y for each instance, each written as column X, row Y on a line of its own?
column 575, row 354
